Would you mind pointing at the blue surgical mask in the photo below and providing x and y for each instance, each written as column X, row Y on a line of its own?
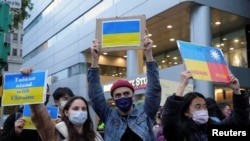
column 124, row 104
column 78, row 118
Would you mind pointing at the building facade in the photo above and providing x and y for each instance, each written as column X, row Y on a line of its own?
column 13, row 65
column 15, row 56
column 59, row 33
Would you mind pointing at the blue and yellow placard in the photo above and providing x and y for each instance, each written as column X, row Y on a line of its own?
column 121, row 33
column 21, row 89
column 205, row 62
column 53, row 112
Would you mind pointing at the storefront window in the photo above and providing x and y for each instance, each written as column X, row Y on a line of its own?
column 234, row 47
column 224, row 94
column 168, row 59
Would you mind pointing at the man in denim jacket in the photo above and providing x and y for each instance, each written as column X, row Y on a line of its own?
column 127, row 123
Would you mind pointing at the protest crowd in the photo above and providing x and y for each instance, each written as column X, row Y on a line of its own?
column 184, row 116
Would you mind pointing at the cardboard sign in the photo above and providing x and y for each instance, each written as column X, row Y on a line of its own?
column 22, row 89
column 204, row 62
column 121, row 33
column 53, row 112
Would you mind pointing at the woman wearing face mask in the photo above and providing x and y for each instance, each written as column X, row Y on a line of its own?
column 76, row 123
column 185, row 117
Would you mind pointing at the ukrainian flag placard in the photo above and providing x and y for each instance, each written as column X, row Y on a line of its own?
column 21, row 89
column 121, row 33
column 205, row 63
column 53, row 112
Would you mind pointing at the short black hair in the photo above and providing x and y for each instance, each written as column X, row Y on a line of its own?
column 62, row 91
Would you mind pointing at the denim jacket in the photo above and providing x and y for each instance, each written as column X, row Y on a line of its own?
column 140, row 120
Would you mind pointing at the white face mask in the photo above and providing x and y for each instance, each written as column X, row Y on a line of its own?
column 200, row 117
column 78, row 117
column 63, row 103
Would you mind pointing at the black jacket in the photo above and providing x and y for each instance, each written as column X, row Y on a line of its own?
column 8, row 132
column 175, row 130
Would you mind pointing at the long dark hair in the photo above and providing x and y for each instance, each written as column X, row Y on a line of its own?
column 214, row 109
column 189, row 128
column 188, row 98
column 88, row 129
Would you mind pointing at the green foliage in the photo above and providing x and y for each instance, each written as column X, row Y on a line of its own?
column 19, row 15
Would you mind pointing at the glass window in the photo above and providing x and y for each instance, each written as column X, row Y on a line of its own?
column 74, row 70
column 81, row 68
column 168, row 59
column 21, row 38
column 233, row 45
column 113, row 71
column 15, row 37
column 21, row 52
column 14, row 52
column 60, row 75
column 92, row 13
column 6, row 67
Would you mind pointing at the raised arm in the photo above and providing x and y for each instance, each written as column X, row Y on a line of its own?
column 240, row 112
column 40, row 116
column 153, row 92
column 172, row 108
column 42, row 121
column 95, row 90
column 185, row 77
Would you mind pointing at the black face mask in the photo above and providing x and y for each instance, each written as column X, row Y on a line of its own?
column 124, row 104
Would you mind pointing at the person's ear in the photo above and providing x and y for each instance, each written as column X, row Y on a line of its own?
column 188, row 114
column 66, row 113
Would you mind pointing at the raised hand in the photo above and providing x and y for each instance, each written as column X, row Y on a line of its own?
column 147, row 42
column 147, row 46
column 26, row 71
column 234, row 84
column 185, row 77
column 95, row 51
